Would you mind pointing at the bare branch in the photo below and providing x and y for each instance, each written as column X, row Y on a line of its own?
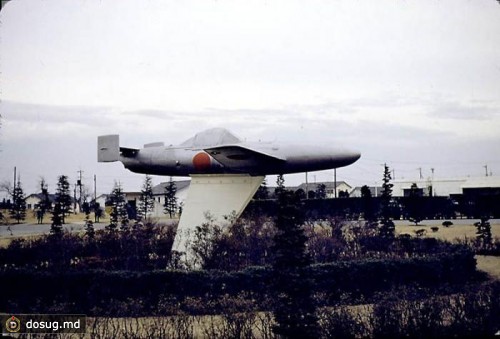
column 6, row 186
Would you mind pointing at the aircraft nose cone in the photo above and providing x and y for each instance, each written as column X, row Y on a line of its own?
column 348, row 157
column 355, row 155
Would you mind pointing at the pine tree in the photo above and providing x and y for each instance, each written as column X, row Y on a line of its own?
column 414, row 206
column 483, row 232
column 18, row 206
column 170, row 205
column 89, row 224
column 387, row 228
column 63, row 196
column 45, row 205
column 146, row 200
column 118, row 209
column 57, row 220
column 320, row 192
column 262, row 192
column 294, row 309
column 367, row 199
column 280, row 188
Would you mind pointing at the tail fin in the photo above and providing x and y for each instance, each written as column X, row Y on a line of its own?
column 108, row 148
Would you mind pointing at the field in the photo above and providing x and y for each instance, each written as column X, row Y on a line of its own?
column 31, row 218
column 461, row 229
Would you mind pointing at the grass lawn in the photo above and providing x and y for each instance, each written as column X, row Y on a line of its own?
column 466, row 230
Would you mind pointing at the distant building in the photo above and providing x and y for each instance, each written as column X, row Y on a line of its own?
column 376, row 191
column 159, row 195
column 330, row 188
column 342, row 188
column 33, row 200
column 448, row 187
column 101, row 200
column 481, row 186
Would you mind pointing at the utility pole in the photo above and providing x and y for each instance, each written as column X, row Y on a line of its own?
column 79, row 183
column 420, row 171
column 307, row 188
column 15, row 169
column 74, row 200
column 335, row 181
column 95, row 198
column 486, row 169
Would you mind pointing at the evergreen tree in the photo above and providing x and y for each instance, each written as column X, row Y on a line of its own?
column 387, row 228
column 181, row 208
column 367, row 199
column 321, row 191
column 89, row 224
column 262, row 192
column 170, row 205
column 63, row 196
column 45, row 204
column 280, row 182
column 118, row 213
column 483, row 232
column 98, row 212
column 146, row 200
column 18, row 206
column 294, row 309
column 414, row 207
column 57, row 220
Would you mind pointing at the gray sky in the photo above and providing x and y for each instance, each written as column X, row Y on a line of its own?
column 410, row 83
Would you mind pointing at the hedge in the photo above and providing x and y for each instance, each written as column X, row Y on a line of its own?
column 90, row 290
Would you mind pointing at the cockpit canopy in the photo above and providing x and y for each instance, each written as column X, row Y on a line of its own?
column 212, row 137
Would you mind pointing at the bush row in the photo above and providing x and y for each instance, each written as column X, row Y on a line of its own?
column 96, row 291
column 472, row 313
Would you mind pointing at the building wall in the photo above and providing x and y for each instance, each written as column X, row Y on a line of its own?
column 340, row 187
column 31, row 202
column 445, row 187
column 181, row 195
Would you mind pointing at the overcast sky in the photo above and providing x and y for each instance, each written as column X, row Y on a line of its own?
column 414, row 84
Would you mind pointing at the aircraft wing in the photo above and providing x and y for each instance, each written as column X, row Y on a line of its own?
column 238, row 156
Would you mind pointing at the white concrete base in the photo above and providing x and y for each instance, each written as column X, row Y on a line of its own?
column 217, row 194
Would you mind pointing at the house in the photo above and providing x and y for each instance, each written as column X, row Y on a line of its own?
column 33, row 200
column 159, row 195
column 101, row 200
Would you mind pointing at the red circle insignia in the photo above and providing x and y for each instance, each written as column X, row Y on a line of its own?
column 201, row 161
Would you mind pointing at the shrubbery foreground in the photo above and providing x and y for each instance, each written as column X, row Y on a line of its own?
column 402, row 286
